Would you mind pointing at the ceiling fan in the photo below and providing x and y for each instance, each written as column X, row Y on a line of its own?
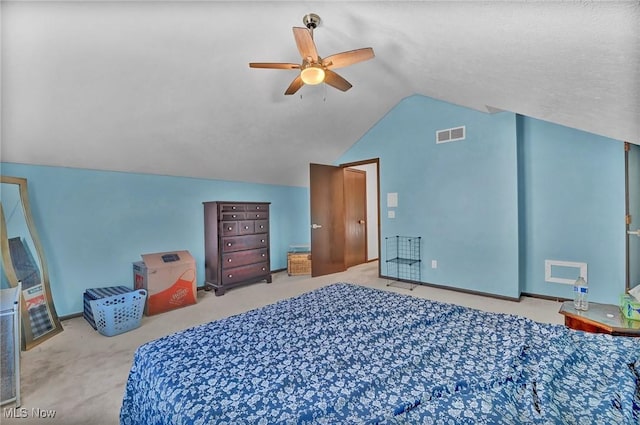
column 314, row 69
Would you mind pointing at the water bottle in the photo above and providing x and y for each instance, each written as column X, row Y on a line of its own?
column 580, row 291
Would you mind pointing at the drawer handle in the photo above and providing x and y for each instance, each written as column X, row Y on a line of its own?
column 257, row 208
column 264, row 255
column 257, row 215
column 230, row 275
column 246, row 227
column 229, row 260
column 233, row 215
column 228, row 243
column 264, row 268
column 261, row 226
column 262, row 240
column 230, row 228
column 233, row 208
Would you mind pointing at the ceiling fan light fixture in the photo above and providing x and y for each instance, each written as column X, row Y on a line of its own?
column 312, row 75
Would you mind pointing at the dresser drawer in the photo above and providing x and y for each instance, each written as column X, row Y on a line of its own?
column 256, row 215
column 246, row 227
column 239, row 243
column 239, row 274
column 232, row 216
column 261, row 226
column 257, row 207
column 242, row 258
column 231, row 207
column 229, row 228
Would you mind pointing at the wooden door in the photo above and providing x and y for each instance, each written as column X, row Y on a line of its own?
column 327, row 219
column 355, row 203
column 632, row 159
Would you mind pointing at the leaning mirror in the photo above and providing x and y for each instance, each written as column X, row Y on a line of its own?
column 23, row 261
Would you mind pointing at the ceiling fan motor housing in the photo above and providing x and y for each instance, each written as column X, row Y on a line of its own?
column 311, row 20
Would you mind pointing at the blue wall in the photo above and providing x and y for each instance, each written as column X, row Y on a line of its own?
column 573, row 207
column 460, row 197
column 94, row 224
column 493, row 207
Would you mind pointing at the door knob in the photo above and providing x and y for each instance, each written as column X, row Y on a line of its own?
column 316, row 226
column 634, row 232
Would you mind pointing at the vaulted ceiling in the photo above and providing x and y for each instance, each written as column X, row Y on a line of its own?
column 164, row 87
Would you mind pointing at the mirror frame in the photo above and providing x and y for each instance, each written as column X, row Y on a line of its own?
column 28, row 340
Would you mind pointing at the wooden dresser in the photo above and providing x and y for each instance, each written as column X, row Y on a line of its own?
column 236, row 244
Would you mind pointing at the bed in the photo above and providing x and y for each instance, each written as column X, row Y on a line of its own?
column 350, row 354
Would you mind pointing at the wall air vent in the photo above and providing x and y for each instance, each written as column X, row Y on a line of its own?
column 450, row 134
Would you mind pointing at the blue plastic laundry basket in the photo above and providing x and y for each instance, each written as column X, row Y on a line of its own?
column 119, row 313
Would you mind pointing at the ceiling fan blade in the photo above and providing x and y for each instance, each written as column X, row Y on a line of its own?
column 336, row 81
column 306, row 46
column 273, row 65
column 294, row 86
column 343, row 59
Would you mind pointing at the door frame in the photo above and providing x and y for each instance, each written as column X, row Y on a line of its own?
column 627, row 213
column 375, row 161
column 631, row 221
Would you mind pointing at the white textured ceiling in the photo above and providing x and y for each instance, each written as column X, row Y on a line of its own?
column 165, row 88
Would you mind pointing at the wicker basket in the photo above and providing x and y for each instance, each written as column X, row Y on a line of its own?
column 298, row 263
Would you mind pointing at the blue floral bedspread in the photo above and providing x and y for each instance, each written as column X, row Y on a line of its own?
column 347, row 354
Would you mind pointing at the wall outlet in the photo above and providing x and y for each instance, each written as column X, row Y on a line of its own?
column 434, row 264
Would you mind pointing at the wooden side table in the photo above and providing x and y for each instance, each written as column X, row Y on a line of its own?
column 600, row 318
